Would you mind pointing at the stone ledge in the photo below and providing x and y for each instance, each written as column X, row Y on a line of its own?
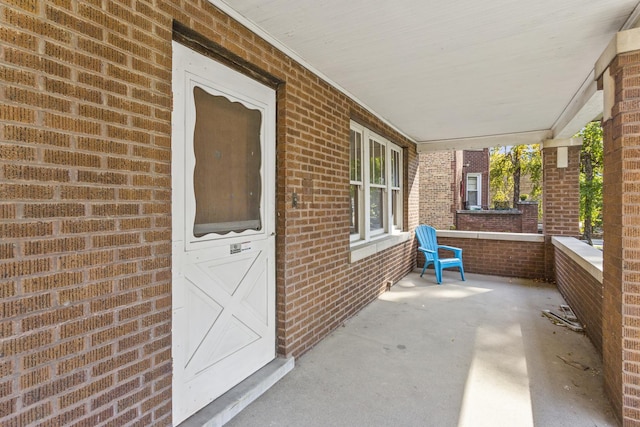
column 586, row 256
column 491, row 212
column 361, row 251
column 488, row 235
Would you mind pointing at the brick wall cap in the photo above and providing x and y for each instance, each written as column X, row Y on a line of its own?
column 585, row 255
column 491, row 212
column 486, row 235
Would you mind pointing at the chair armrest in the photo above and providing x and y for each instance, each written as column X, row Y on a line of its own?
column 420, row 248
column 457, row 251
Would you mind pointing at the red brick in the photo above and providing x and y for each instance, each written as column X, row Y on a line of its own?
column 94, row 146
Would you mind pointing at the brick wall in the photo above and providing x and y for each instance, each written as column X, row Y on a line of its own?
column 561, row 196
column 85, row 160
column 560, row 199
column 490, row 220
column 621, row 216
column 612, row 268
column 529, row 216
column 85, row 257
column 509, row 258
column 583, row 292
column 522, row 220
column 437, row 189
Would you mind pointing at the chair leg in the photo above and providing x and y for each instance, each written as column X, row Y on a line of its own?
column 424, row 268
column 438, row 268
column 462, row 273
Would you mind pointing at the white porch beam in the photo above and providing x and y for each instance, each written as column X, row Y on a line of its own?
column 585, row 107
column 632, row 20
column 521, row 138
column 587, row 103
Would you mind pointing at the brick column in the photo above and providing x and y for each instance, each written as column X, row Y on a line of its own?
column 561, row 193
column 618, row 73
column 529, row 216
column 561, row 183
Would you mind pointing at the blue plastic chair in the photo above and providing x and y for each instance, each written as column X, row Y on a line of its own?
column 428, row 245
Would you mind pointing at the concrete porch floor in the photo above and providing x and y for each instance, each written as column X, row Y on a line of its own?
column 474, row 353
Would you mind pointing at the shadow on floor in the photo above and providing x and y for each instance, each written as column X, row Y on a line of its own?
column 474, row 353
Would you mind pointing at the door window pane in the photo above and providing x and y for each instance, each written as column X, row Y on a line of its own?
column 226, row 178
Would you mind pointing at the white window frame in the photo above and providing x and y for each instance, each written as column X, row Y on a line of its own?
column 395, row 182
column 478, row 177
column 357, row 181
column 392, row 221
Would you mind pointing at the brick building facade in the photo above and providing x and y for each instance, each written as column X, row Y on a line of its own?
column 85, row 211
column 438, row 195
column 85, row 207
column 475, row 169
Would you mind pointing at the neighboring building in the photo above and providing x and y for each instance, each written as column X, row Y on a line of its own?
column 475, row 179
column 450, row 181
column 438, row 195
column 455, row 184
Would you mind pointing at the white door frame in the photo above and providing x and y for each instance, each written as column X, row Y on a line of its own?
column 185, row 246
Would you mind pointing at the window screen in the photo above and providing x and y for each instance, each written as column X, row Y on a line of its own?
column 226, row 179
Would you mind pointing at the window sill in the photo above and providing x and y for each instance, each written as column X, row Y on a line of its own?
column 362, row 250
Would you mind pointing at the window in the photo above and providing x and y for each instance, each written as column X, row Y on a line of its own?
column 355, row 176
column 396, row 193
column 474, row 192
column 226, row 145
column 375, row 185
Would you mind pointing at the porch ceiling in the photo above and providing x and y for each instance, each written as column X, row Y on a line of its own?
column 453, row 74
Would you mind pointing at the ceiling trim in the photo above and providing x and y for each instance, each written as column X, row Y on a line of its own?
column 588, row 103
column 251, row 26
column 520, row 138
column 585, row 106
column 632, row 20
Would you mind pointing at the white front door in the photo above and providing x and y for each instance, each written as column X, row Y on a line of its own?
column 223, row 184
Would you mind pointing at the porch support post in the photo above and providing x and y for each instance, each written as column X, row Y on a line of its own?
column 561, row 183
column 618, row 74
column 561, row 193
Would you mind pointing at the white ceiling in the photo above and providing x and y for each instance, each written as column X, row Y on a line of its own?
column 445, row 71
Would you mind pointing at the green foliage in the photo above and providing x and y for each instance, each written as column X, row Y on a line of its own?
column 591, row 168
column 506, row 166
column 500, row 172
column 500, row 196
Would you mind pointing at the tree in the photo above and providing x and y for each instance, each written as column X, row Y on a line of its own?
column 508, row 164
column 591, row 178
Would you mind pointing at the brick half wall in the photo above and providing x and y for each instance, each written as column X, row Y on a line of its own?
column 497, row 254
column 579, row 279
column 524, row 219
